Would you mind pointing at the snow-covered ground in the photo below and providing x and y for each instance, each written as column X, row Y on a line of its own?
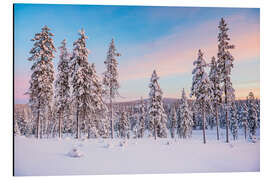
column 103, row 156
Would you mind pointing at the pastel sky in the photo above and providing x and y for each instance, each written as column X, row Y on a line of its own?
column 163, row 38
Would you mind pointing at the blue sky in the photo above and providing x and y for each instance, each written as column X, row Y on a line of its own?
column 162, row 38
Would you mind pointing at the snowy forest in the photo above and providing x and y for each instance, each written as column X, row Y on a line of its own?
column 73, row 100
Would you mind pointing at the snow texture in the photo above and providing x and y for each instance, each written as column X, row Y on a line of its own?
column 105, row 156
column 157, row 116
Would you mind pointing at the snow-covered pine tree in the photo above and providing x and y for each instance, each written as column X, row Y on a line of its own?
column 98, row 110
column 22, row 124
column 62, row 86
column 16, row 130
column 133, row 116
column 178, row 120
column 217, row 91
column 81, row 80
column 252, row 115
column 258, row 111
column 41, row 84
column 186, row 117
column 225, row 65
column 234, row 121
column 142, row 115
column 110, row 79
column 194, row 114
column 157, row 116
column 173, row 125
column 201, row 88
column 238, row 113
column 244, row 118
column 123, row 125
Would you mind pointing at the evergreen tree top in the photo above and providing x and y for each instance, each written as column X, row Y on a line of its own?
column 213, row 62
column 112, row 52
column 250, row 97
column 80, row 52
column 201, row 85
column 63, row 50
column 82, row 34
column 111, row 74
column 183, row 94
column 225, row 58
column 200, row 62
column 43, row 47
column 63, row 44
column 154, row 76
column 214, row 76
column 154, row 85
column 46, row 28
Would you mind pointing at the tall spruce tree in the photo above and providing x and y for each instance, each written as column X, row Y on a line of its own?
column 123, row 125
column 225, row 65
column 252, row 115
column 234, row 121
column 258, row 111
column 110, row 79
column 62, row 86
column 81, row 80
column 16, row 129
column 41, row 84
column 201, row 88
column 244, row 118
column 98, row 109
column 157, row 116
column 186, row 117
column 173, row 125
column 142, row 115
column 214, row 77
column 178, row 120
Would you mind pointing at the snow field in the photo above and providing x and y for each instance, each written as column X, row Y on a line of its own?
column 105, row 156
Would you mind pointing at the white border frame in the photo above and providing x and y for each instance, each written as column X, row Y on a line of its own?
column 7, row 85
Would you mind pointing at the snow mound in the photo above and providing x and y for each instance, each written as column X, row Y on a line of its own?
column 75, row 152
column 122, row 143
column 253, row 139
column 108, row 145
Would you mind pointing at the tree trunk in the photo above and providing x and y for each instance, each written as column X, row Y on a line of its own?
column 38, row 122
column 227, row 120
column 60, row 125
column 172, row 133
column 155, row 131
column 78, row 128
column 217, row 123
column 88, row 133
column 111, row 115
column 41, row 128
column 245, row 132
column 204, row 138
